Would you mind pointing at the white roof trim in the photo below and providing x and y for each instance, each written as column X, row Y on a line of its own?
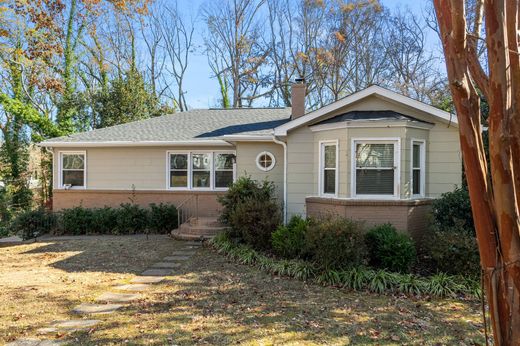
column 133, row 143
column 371, row 90
column 376, row 123
column 249, row 138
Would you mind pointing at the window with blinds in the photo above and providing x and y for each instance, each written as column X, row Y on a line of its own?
column 375, row 168
column 417, row 168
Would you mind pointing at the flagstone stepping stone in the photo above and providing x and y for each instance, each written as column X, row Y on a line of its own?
column 132, row 287
column 168, row 265
column 176, row 258
column 69, row 326
column 147, row 279
column 35, row 342
column 157, row 272
column 87, row 308
column 118, row 297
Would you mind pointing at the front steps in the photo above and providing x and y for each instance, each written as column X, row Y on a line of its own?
column 200, row 228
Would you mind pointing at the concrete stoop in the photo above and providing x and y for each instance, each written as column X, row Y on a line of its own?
column 199, row 229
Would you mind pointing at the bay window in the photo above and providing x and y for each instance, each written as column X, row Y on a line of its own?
column 418, row 163
column 205, row 171
column 375, row 170
column 328, row 168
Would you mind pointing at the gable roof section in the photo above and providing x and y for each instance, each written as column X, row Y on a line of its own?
column 195, row 127
column 368, row 116
column 437, row 114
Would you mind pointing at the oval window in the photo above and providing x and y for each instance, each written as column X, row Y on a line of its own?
column 265, row 161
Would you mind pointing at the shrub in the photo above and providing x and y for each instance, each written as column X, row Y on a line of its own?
column 244, row 188
column 131, row 219
column 289, row 241
column 253, row 221
column 453, row 252
column 32, row 224
column 163, row 218
column 389, row 249
column 77, row 220
column 453, row 210
column 336, row 243
column 104, row 220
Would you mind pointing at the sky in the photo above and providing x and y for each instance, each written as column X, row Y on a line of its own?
column 202, row 89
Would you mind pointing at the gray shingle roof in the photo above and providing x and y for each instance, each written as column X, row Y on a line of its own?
column 198, row 124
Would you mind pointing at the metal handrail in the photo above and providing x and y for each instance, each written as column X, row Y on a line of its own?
column 185, row 209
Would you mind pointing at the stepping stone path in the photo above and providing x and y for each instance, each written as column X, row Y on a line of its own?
column 157, row 272
column 132, row 287
column 168, row 265
column 147, row 279
column 118, row 297
column 87, row 308
column 106, row 305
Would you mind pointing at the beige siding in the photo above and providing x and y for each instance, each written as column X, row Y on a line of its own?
column 142, row 168
column 301, row 170
column 443, row 160
column 246, row 163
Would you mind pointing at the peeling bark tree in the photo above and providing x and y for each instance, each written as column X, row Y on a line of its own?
column 494, row 198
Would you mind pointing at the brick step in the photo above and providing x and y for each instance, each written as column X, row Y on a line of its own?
column 205, row 221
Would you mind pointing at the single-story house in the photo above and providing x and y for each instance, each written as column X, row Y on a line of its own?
column 375, row 155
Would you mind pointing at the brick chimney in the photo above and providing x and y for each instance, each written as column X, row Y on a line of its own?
column 298, row 89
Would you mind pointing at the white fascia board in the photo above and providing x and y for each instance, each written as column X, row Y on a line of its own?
column 134, row 144
column 372, row 90
column 370, row 124
column 248, row 138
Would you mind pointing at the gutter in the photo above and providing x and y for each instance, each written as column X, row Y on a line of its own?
column 284, row 145
column 132, row 143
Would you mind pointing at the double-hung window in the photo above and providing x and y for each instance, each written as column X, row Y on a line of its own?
column 418, row 172
column 73, row 169
column 329, row 168
column 376, row 168
column 204, row 171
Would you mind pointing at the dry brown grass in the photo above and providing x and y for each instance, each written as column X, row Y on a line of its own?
column 210, row 301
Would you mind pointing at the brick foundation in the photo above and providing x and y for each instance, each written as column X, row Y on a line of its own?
column 63, row 199
column 411, row 216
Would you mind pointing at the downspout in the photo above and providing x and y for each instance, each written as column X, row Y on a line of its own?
column 284, row 145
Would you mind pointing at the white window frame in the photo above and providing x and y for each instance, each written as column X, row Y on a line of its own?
column 422, row 167
column 321, row 167
column 273, row 161
column 60, row 169
column 190, row 186
column 396, row 141
column 214, row 170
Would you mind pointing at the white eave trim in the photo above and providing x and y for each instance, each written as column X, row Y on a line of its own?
column 134, row 144
column 377, row 123
column 249, row 138
column 372, row 90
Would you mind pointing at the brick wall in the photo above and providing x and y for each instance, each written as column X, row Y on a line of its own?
column 411, row 216
column 62, row 199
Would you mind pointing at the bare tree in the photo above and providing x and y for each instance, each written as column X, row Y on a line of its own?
column 177, row 33
column 495, row 198
column 235, row 45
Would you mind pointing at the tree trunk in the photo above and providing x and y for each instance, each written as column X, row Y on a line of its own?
column 494, row 201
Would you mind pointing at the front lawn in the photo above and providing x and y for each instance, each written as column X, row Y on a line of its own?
column 210, row 301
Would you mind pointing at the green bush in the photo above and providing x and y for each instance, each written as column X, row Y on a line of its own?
column 32, row 224
column 336, row 243
column 77, row 220
column 163, row 218
column 242, row 189
column 453, row 252
column 389, row 249
column 289, row 241
column 131, row 219
column 253, row 221
column 453, row 210
column 104, row 220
